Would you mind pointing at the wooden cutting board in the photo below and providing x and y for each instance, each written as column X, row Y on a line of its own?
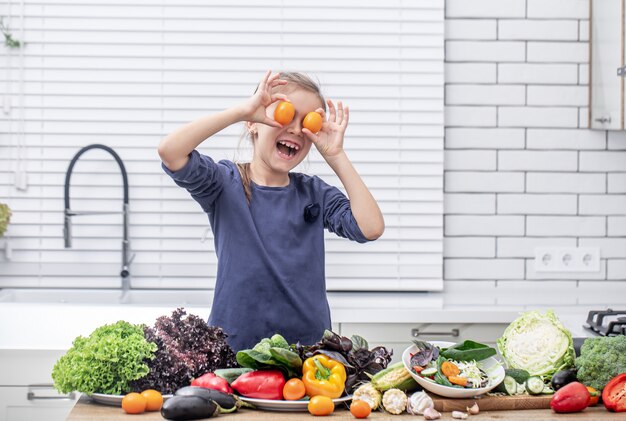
column 493, row 403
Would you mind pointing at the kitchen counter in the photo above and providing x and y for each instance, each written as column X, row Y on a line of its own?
column 86, row 410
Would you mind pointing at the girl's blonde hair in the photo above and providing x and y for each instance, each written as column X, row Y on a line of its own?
column 295, row 79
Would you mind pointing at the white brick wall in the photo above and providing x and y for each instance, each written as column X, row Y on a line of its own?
column 517, row 74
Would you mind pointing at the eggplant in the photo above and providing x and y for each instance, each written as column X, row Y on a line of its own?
column 226, row 401
column 563, row 377
column 181, row 408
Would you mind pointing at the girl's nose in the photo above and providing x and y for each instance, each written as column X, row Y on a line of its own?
column 295, row 127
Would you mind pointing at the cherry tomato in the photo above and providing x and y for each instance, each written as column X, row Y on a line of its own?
column 284, row 112
column 134, row 403
column 360, row 409
column 154, row 399
column 313, row 121
column 321, row 405
column 294, row 389
column 595, row 396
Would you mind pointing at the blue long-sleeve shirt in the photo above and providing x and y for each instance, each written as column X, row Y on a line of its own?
column 270, row 270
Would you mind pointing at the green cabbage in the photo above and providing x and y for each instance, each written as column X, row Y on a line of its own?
column 537, row 343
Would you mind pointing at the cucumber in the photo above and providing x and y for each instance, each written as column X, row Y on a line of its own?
column 534, row 385
column 429, row 371
column 508, row 386
column 520, row 375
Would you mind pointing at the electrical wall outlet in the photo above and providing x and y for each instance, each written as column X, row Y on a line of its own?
column 567, row 259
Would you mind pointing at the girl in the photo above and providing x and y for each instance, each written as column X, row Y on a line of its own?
column 268, row 223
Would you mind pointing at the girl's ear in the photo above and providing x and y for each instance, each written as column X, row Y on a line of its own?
column 251, row 127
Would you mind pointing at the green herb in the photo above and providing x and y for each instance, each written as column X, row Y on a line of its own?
column 104, row 362
column 9, row 41
column 468, row 351
column 5, row 217
column 272, row 352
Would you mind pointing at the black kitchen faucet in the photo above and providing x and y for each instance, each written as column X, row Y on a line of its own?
column 67, row 230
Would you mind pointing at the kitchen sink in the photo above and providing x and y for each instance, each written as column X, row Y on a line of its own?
column 140, row 297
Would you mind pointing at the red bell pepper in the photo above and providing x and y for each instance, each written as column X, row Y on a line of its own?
column 261, row 384
column 614, row 394
column 211, row 381
column 573, row 397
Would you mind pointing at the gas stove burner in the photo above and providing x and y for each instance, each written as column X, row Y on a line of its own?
column 613, row 325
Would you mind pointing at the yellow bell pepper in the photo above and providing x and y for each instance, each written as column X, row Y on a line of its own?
column 323, row 376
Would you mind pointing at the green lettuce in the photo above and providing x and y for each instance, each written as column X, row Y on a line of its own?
column 537, row 343
column 106, row 361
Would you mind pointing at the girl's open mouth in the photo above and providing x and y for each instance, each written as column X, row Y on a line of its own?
column 287, row 149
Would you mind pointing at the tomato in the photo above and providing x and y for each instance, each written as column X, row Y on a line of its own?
column 294, row 389
column 284, row 112
column 154, row 399
column 134, row 403
column 321, row 405
column 313, row 121
column 360, row 409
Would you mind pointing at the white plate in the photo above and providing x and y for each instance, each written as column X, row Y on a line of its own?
column 491, row 366
column 276, row 405
column 114, row 400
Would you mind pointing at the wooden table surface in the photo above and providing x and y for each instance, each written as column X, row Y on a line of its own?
column 86, row 410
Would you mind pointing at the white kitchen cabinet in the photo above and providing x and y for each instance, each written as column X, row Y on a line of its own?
column 399, row 336
column 607, row 55
column 26, row 391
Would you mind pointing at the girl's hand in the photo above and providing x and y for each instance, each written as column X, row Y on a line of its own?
column 254, row 109
column 329, row 140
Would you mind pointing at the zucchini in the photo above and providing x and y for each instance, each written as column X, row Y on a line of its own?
column 534, row 385
column 508, row 386
column 180, row 408
column 520, row 375
column 395, row 376
column 428, row 371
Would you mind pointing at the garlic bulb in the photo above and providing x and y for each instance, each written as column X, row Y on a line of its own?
column 418, row 403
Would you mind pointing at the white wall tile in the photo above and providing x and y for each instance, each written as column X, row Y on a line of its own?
column 536, row 293
column 469, row 203
column 602, row 204
column 617, row 183
column 538, row 73
column 558, row 52
column 470, row 160
column 485, row 8
column 583, row 30
column 537, row 204
column 616, row 226
column 529, row 29
column 603, row 161
column 559, row 9
column 479, row 225
column 485, row 95
column 471, row 29
column 558, row 95
column 583, row 74
column 525, row 246
column 583, row 118
column 567, row 226
column 470, row 116
column 537, row 160
column 616, row 269
column 469, row 247
column 484, row 138
column 470, row 72
column 546, row 182
column 617, row 139
column 574, row 139
column 484, row 269
column 609, row 247
column 561, row 117
column 491, row 51
column 484, row 182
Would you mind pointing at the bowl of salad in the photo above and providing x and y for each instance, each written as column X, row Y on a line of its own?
column 453, row 370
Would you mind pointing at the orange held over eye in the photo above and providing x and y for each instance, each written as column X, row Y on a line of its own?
column 360, row 409
column 284, row 112
column 313, row 121
column 154, row 399
column 321, row 405
column 293, row 390
column 134, row 403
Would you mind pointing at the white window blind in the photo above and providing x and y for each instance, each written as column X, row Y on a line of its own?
column 125, row 73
